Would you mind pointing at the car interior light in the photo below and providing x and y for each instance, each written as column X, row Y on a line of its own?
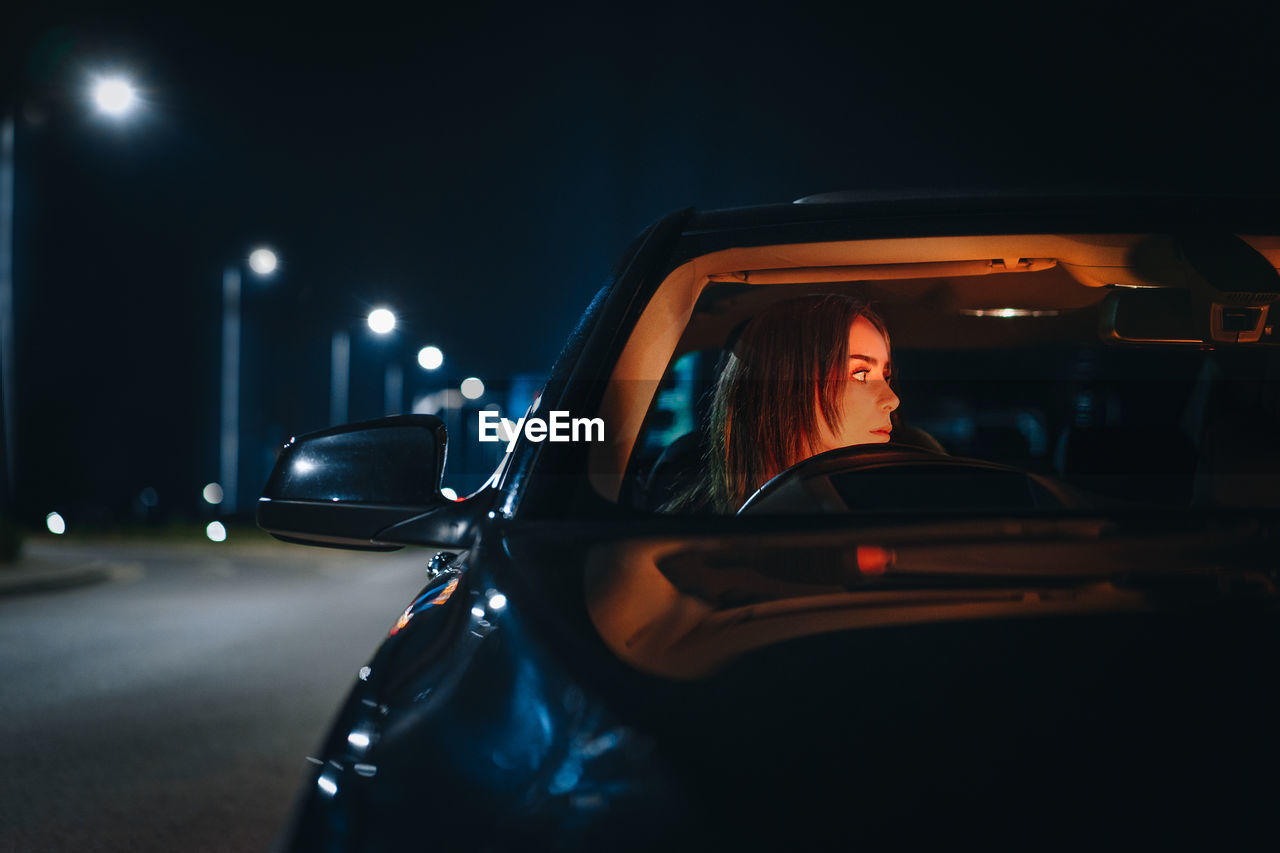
column 1010, row 312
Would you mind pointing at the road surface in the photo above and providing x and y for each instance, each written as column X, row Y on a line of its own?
column 172, row 707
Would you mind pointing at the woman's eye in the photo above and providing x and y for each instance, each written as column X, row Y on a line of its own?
column 860, row 375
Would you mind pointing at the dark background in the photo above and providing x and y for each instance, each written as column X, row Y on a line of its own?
column 480, row 169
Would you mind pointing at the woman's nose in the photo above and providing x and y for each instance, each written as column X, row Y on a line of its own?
column 888, row 400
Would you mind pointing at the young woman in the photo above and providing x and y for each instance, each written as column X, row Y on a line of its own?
column 806, row 376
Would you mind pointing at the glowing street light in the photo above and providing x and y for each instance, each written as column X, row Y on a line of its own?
column 430, row 358
column 382, row 321
column 472, row 388
column 115, row 96
column 54, row 521
column 263, row 261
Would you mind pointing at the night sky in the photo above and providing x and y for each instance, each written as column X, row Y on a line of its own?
column 480, row 170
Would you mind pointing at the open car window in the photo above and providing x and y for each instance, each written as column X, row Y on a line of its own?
column 1034, row 374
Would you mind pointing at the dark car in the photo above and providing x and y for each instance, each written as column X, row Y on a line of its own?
column 1039, row 608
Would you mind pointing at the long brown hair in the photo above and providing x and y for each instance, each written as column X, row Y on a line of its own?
column 784, row 373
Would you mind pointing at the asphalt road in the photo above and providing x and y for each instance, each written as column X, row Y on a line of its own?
column 172, row 707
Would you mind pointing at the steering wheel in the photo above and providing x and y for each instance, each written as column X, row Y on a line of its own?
column 901, row 478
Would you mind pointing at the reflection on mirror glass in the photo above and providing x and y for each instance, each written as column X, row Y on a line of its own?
column 388, row 465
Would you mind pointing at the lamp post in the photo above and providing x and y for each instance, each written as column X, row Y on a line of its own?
column 263, row 263
column 114, row 97
column 6, row 301
column 382, row 322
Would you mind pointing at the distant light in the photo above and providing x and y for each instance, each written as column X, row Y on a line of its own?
column 430, row 358
column 216, row 532
column 114, row 96
column 365, row 672
column 263, row 261
column 327, row 785
column 382, row 321
column 449, row 493
column 148, row 497
column 472, row 388
column 477, row 612
column 359, row 740
column 497, row 601
column 213, row 494
column 1010, row 312
column 54, row 521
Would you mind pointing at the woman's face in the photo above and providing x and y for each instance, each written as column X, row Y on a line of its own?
column 867, row 398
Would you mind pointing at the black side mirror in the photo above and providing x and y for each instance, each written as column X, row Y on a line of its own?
column 342, row 486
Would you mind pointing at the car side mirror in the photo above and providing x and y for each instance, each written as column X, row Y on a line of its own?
column 343, row 486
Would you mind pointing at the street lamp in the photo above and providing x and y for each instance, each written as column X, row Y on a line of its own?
column 382, row 322
column 113, row 96
column 430, row 358
column 262, row 262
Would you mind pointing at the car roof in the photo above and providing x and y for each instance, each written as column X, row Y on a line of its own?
column 840, row 215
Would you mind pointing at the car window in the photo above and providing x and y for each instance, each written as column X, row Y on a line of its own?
column 1021, row 368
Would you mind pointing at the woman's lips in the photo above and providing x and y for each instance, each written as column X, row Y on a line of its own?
column 885, row 431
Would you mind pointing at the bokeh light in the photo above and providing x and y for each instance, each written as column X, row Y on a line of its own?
column 472, row 388
column 213, row 493
column 381, row 321
column 114, row 96
column 56, row 524
column 263, row 261
column 216, row 531
column 429, row 358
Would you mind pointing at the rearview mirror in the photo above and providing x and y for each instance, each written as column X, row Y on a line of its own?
column 343, row 486
column 1155, row 315
column 1173, row 316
